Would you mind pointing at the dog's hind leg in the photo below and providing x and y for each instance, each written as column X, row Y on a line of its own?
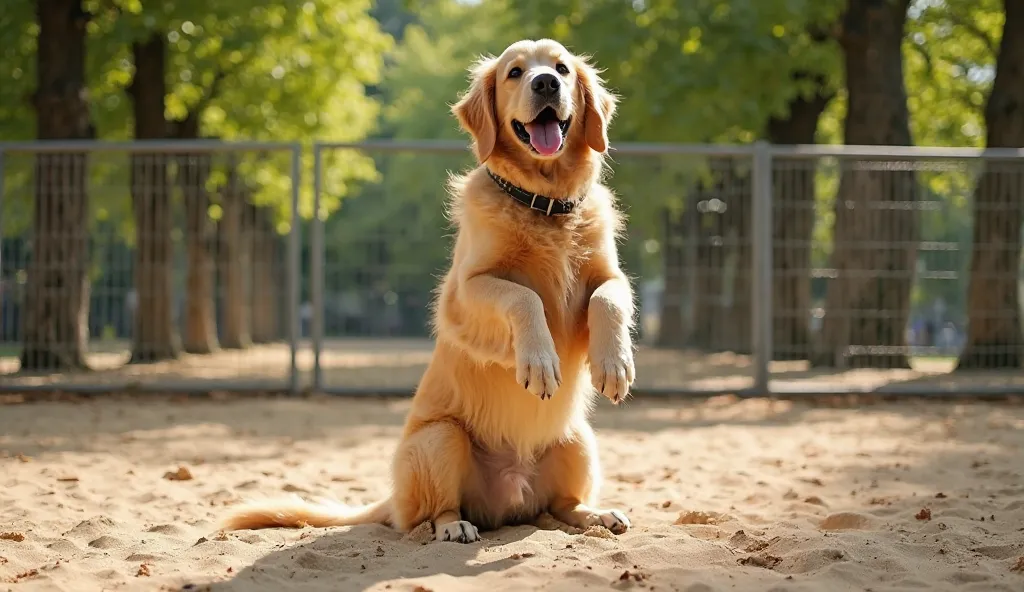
column 570, row 478
column 430, row 469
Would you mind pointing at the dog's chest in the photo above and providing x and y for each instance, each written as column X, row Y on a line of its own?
column 553, row 265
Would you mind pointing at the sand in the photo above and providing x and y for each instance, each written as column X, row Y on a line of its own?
column 724, row 494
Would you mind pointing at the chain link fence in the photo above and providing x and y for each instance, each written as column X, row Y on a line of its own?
column 156, row 266
column 180, row 266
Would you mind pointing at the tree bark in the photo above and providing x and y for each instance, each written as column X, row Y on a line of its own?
column 235, row 260
column 993, row 301
column 793, row 222
column 155, row 337
column 867, row 305
column 267, row 282
column 55, row 323
column 200, row 323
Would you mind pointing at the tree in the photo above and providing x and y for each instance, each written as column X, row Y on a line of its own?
column 234, row 70
column 993, row 301
column 55, row 330
column 794, row 195
column 155, row 336
column 867, row 305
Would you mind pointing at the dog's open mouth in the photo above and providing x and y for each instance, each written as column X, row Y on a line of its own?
column 545, row 134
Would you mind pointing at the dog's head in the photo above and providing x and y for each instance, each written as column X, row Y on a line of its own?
column 535, row 100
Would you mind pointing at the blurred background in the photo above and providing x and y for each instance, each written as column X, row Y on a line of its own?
column 228, row 195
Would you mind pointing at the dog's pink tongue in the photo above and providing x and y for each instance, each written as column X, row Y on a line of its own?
column 546, row 137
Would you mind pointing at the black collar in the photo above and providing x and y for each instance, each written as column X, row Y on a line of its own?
column 548, row 206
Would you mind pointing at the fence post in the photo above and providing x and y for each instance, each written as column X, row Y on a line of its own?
column 762, row 259
column 295, row 271
column 317, row 269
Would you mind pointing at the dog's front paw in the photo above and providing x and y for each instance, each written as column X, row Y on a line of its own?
column 612, row 372
column 459, row 531
column 614, row 520
column 537, row 369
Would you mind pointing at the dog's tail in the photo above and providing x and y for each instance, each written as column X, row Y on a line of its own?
column 295, row 512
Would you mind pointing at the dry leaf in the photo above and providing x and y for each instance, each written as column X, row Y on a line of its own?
column 924, row 514
column 12, row 536
column 182, row 474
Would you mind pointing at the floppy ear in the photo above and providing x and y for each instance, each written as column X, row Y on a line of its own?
column 598, row 106
column 475, row 110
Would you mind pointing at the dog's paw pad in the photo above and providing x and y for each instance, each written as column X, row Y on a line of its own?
column 615, row 521
column 457, row 532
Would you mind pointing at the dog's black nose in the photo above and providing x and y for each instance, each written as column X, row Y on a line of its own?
column 546, row 85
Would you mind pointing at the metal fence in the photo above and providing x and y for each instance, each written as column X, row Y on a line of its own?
column 210, row 266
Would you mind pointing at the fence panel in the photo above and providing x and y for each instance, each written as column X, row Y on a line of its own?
column 177, row 266
column 157, row 266
column 689, row 248
column 897, row 270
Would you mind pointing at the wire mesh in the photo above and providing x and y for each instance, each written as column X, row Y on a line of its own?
column 156, row 267
column 178, row 266
column 897, row 273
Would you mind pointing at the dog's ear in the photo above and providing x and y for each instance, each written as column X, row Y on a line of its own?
column 598, row 105
column 475, row 110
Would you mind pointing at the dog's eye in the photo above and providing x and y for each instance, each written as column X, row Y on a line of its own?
column 515, row 72
column 562, row 69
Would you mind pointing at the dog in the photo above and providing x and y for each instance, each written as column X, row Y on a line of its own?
column 533, row 316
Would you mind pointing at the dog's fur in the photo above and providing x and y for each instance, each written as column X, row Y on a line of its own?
column 498, row 431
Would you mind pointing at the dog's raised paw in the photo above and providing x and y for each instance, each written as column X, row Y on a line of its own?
column 459, row 531
column 615, row 521
column 539, row 373
column 612, row 375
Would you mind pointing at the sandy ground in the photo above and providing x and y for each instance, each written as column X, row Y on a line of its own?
column 724, row 495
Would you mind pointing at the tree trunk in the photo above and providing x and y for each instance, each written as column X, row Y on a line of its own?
column 235, row 262
column 793, row 222
column 55, row 326
column 993, row 301
column 155, row 335
column 200, row 324
column 867, row 305
column 267, row 282
column 672, row 323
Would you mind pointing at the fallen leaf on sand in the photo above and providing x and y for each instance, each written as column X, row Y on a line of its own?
column 143, row 571
column 182, row 474
column 12, row 536
column 924, row 514
column 1019, row 566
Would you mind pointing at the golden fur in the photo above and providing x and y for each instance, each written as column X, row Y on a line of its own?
column 533, row 316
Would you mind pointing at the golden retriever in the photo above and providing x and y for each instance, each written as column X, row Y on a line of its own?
column 533, row 316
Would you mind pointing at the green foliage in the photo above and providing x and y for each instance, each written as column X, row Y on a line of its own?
column 281, row 71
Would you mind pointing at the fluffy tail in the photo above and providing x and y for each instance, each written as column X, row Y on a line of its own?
column 295, row 512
